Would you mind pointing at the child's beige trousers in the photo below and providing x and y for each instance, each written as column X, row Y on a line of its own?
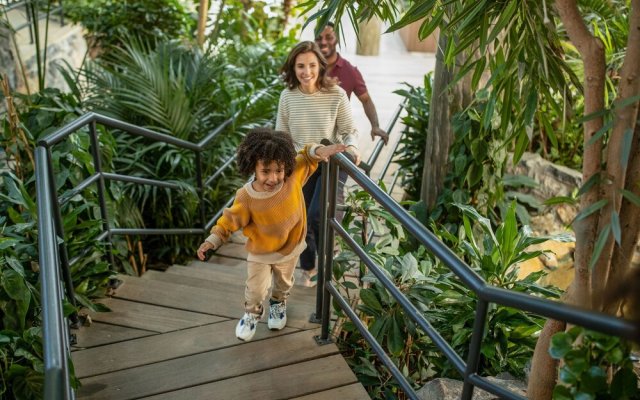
column 259, row 282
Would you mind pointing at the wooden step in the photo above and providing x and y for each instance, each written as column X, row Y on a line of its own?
column 278, row 383
column 355, row 391
column 148, row 350
column 98, row 334
column 213, row 277
column 213, row 366
column 150, row 317
column 229, row 305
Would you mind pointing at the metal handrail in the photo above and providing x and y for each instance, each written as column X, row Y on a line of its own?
column 53, row 257
column 486, row 293
column 9, row 5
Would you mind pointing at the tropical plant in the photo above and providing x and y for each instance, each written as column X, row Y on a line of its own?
column 449, row 306
column 410, row 153
column 594, row 366
column 110, row 22
column 518, row 46
column 181, row 91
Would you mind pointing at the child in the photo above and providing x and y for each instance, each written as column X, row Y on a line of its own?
column 271, row 213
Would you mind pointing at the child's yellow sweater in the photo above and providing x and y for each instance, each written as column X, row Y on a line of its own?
column 275, row 223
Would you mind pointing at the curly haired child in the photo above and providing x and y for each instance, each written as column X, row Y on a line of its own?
column 270, row 210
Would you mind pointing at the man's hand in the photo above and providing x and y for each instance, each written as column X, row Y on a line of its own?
column 324, row 152
column 379, row 132
column 204, row 247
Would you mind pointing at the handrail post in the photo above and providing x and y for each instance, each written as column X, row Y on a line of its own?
column 55, row 359
column 320, row 289
column 473, row 360
column 97, row 164
column 198, row 155
column 59, row 231
column 334, row 170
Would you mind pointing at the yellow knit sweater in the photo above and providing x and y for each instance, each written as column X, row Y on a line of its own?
column 275, row 223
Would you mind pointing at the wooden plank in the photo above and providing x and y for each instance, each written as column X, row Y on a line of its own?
column 214, row 280
column 355, row 391
column 222, row 288
column 220, row 260
column 149, row 317
column 205, row 301
column 99, row 334
column 206, row 367
column 163, row 347
column 278, row 383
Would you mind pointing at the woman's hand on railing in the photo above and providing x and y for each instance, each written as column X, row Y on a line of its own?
column 326, row 151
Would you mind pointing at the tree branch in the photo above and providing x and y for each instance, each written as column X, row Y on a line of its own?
column 592, row 52
column 624, row 121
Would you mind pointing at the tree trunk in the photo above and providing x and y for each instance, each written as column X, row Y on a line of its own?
column 615, row 260
column 542, row 379
column 203, row 12
column 440, row 130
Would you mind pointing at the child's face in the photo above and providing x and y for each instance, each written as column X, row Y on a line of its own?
column 269, row 177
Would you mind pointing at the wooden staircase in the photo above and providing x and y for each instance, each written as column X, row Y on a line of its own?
column 170, row 335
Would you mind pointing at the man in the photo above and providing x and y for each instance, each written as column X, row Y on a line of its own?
column 349, row 77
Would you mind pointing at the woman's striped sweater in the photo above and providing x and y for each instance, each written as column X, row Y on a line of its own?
column 309, row 118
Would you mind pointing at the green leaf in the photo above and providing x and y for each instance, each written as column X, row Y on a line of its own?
column 519, row 180
column 627, row 138
column 591, row 116
column 615, row 227
column 624, row 384
column 632, row 197
column 561, row 344
column 14, row 285
column 607, row 126
column 396, row 339
column 595, row 380
column 599, row 246
column 626, row 102
column 369, row 298
column 561, row 392
column 559, row 200
column 591, row 209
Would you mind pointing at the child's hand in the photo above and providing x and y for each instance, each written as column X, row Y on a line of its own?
column 325, row 152
column 204, row 247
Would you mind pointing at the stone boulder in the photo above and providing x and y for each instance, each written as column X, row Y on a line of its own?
column 451, row 389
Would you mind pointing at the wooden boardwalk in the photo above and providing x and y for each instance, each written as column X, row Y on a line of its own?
column 170, row 335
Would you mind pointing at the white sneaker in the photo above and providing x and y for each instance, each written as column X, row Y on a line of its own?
column 247, row 325
column 309, row 278
column 277, row 316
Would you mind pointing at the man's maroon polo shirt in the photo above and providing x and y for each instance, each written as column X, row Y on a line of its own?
column 350, row 79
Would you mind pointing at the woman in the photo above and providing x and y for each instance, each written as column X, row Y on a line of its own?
column 313, row 107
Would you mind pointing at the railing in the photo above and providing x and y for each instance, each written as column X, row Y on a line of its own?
column 53, row 257
column 486, row 293
column 32, row 13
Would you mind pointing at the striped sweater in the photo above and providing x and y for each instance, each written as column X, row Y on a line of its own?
column 275, row 223
column 309, row 118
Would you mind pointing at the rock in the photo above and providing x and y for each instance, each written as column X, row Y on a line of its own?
column 451, row 389
column 566, row 213
column 549, row 260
